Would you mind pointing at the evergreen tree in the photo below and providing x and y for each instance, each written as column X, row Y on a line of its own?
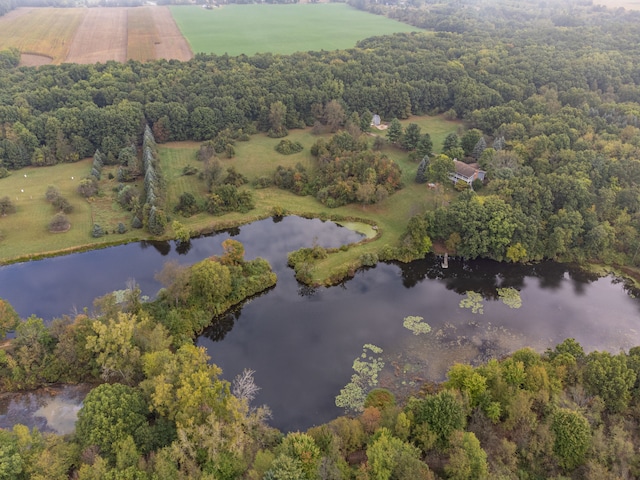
column 425, row 146
column 450, row 143
column 421, row 174
column 394, row 132
column 411, row 137
column 480, row 146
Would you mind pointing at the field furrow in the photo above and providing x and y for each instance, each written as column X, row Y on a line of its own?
column 102, row 36
column 142, row 34
column 170, row 43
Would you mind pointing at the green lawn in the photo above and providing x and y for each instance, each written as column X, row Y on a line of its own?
column 258, row 157
column 25, row 232
column 250, row 29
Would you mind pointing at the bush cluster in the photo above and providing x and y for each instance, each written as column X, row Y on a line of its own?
column 287, row 147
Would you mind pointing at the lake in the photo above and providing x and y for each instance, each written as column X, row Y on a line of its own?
column 301, row 342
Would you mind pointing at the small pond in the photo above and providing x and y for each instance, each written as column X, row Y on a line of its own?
column 302, row 342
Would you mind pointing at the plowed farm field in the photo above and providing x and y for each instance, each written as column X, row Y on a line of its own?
column 90, row 35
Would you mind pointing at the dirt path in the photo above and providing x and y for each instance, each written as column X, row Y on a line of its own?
column 170, row 44
column 102, row 36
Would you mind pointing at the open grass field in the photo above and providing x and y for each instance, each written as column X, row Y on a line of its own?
column 25, row 232
column 46, row 32
column 258, row 157
column 90, row 35
column 249, row 29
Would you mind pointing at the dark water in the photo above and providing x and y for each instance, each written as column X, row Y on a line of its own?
column 54, row 409
column 302, row 342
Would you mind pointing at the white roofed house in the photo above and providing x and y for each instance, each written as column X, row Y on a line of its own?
column 467, row 172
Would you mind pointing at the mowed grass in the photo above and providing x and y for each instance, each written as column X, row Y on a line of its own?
column 258, row 158
column 141, row 35
column 25, row 232
column 250, row 29
column 42, row 31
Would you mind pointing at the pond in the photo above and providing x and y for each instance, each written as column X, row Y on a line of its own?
column 301, row 342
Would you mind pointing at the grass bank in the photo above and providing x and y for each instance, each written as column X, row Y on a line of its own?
column 26, row 236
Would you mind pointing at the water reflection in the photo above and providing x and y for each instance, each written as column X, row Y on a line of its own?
column 53, row 409
column 57, row 286
column 301, row 341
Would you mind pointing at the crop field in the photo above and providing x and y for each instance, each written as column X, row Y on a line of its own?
column 43, row 32
column 249, row 29
column 90, row 35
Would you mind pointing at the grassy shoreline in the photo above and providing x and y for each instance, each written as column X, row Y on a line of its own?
column 26, row 237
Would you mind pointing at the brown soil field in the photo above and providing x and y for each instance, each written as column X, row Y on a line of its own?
column 90, row 35
column 171, row 45
column 33, row 60
column 121, row 34
column 142, row 34
column 102, row 36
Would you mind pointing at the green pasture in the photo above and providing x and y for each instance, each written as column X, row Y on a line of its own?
column 258, row 158
column 250, row 29
column 25, row 232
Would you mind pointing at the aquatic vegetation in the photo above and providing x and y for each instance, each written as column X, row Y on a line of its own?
column 416, row 325
column 474, row 302
column 367, row 366
column 510, row 297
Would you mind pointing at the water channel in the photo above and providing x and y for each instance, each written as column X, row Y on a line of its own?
column 302, row 342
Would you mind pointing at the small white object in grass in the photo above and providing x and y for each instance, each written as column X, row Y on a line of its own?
column 25, row 175
column 71, row 178
column 22, row 190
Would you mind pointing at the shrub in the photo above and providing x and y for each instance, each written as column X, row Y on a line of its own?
column 97, row 231
column 189, row 170
column 121, row 228
column 6, row 206
column 287, row 147
column 52, row 193
column 369, row 259
column 126, row 197
column 380, row 398
column 62, row 204
column 262, row 182
column 88, row 187
column 59, row 223
column 187, row 205
column 136, row 222
column 4, row 173
column 234, row 177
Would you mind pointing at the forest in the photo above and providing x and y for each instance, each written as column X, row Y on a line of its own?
column 550, row 96
column 556, row 104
